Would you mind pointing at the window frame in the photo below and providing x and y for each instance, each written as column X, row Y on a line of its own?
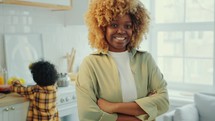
column 183, row 27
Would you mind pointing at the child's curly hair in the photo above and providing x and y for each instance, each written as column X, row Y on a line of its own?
column 102, row 12
column 44, row 73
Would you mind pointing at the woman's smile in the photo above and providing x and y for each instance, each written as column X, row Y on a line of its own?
column 118, row 33
column 120, row 39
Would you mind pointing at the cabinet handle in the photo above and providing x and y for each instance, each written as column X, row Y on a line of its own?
column 67, row 99
column 6, row 109
column 12, row 108
column 62, row 100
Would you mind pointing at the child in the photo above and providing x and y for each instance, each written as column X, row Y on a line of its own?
column 42, row 96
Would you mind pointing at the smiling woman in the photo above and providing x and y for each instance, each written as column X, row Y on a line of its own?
column 118, row 82
column 104, row 14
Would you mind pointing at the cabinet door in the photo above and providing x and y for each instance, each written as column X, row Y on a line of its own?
column 4, row 114
column 18, row 112
column 51, row 4
column 1, row 113
column 54, row 2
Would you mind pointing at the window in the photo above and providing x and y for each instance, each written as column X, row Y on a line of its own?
column 181, row 39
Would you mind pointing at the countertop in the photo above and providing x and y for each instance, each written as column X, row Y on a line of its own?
column 11, row 99
column 14, row 98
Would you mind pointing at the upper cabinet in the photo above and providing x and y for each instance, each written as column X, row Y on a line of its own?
column 50, row 4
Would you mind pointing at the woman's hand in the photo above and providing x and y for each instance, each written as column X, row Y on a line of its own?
column 122, row 117
column 106, row 106
column 152, row 93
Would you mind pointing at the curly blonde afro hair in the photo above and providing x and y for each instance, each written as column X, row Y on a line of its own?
column 102, row 12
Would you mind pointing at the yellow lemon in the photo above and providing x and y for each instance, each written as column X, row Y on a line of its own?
column 9, row 81
column 22, row 81
column 1, row 80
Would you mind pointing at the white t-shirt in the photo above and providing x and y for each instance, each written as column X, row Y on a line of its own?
column 128, row 86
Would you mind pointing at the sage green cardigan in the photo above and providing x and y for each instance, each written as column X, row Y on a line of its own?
column 98, row 78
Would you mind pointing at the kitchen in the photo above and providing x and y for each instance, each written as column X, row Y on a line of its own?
column 58, row 30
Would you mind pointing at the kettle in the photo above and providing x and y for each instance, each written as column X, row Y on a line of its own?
column 63, row 80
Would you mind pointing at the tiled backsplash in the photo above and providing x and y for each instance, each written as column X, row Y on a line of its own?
column 58, row 39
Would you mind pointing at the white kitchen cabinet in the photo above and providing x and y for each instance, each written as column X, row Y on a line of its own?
column 16, row 112
column 51, row 4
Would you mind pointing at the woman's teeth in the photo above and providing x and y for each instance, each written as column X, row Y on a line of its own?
column 120, row 38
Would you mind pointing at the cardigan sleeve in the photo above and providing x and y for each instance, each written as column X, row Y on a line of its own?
column 24, row 91
column 157, row 103
column 87, row 95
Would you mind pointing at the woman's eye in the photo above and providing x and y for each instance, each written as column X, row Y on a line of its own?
column 114, row 25
column 128, row 26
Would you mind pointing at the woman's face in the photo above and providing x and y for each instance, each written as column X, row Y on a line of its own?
column 119, row 33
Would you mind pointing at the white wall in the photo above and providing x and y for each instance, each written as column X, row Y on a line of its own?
column 76, row 14
column 58, row 38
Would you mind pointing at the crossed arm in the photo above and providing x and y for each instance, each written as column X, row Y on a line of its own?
column 126, row 111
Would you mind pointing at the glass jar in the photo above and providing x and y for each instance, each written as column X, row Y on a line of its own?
column 3, row 76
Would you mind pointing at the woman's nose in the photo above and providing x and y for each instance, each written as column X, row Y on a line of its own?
column 121, row 29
